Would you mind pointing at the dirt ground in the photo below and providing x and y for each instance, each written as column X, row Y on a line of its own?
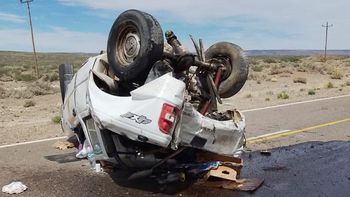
column 28, row 109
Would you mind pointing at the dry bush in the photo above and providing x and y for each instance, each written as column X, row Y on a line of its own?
column 29, row 103
column 283, row 95
column 40, row 88
column 275, row 70
column 270, row 93
column 311, row 92
column 56, row 119
column 300, row 80
column 347, row 83
column 18, row 94
column 252, row 61
column 290, row 59
column 269, row 60
column 253, row 76
column 248, row 96
column 329, row 85
column 24, row 77
column 36, row 88
column 3, row 93
column 335, row 73
column 257, row 68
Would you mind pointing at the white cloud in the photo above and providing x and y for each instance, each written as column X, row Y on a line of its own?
column 11, row 18
column 56, row 40
column 289, row 24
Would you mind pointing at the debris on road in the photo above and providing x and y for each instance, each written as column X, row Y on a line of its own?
column 226, row 175
column 265, row 152
column 63, row 145
column 15, row 187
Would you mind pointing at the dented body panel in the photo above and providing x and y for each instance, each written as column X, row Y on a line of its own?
column 136, row 116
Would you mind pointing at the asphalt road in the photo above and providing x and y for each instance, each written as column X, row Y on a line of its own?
column 312, row 163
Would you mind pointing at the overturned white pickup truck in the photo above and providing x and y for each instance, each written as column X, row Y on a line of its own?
column 143, row 102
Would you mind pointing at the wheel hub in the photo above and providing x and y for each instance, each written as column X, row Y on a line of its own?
column 131, row 46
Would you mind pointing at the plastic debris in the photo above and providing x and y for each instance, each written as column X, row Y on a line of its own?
column 98, row 167
column 83, row 150
column 15, row 187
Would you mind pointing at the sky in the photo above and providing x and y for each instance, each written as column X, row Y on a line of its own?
column 83, row 25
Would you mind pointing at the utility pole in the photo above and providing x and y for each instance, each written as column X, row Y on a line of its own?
column 325, row 47
column 31, row 31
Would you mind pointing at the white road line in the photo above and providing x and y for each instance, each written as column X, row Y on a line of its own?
column 32, row 142
column 296, row 103
column 249, row 110
column 268, row 134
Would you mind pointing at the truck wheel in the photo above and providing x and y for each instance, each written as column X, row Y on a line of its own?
column 65, row 73
column 236, row 73
column 134, row 44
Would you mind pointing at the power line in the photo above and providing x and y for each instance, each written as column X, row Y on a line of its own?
column 326, row 42
column 32, row 34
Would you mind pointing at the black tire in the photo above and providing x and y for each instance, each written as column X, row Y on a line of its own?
column 236, row 67
column 134, row 44
column 65, row 73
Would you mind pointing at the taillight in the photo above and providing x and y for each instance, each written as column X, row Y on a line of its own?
column 167, row 118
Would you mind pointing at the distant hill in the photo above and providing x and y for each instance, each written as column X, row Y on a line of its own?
column 295, row 52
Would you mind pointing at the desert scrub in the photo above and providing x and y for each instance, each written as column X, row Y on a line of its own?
column 290, row 59
column 253, row 76
column 283, row 95
column 3, row 93
column 248, row 96
column 329, row 85
column 56, row 119
column 252, row 61
column 40, row 88
column 275, row 70
column 24, row 77
column 311, row 92
column 335, row 73
column 257, row 68
column 29, row 103
column 53, row 77
column 300, row 80
column 270, row 60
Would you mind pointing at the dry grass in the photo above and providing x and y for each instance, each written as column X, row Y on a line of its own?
column 329, row 85
column 29, row 103
column 248, row 96
column 300, row 80
column 257, row 68
column 283, row 95
column 18, row 65
column 311, row 92
column 56, row 119
column 335, row 73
